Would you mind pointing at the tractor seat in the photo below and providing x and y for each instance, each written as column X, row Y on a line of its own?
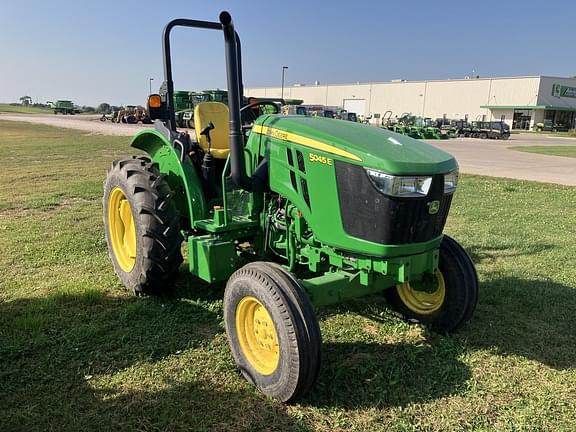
column 217, row 113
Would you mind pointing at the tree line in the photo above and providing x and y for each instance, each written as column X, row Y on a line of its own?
column 103, row 108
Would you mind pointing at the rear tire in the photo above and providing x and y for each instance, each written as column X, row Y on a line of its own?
column 142, row 226
column 272, row 330
column 447, row 311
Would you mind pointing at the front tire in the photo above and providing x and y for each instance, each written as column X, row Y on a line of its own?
column 452, row 303
column 272, row 330
column 142, row 226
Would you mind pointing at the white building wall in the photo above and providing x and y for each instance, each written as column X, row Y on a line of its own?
column 398, row 97
column 514, row 91
column 457, row 99
column 310, row 95
column 453, row 98
column 337, row 94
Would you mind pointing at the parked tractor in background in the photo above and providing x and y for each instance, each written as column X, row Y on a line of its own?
column 549, row 126
column 63, row 107
column 292, row 212
column 185, row 101
column 461, row 128
column 294, row 110
column 109, row 116
column 132, row 114
column 428, row 128
column 387, row 120
column 447, row 130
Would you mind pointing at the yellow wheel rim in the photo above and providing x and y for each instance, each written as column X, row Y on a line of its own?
column 420, row 302
column 122, row 230
column 257, row 335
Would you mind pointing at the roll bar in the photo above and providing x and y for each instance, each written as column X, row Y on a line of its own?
column 232, row 49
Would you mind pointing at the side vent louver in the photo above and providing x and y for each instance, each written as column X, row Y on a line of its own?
column 304, row 186
column 293, row 180
column 289, row 157
column 300, row 158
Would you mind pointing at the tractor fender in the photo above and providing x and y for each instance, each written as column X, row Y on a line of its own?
column 181, row 176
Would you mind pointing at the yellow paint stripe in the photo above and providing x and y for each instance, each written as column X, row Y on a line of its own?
column 305, row 141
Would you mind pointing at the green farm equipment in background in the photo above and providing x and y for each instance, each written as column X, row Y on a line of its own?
column 292, row 212
column 461, row 128
column 548, row 125
column 63, row 107
column 131, row 114
column 429, row 129
column 294, row 110
column 414, row 126
column 185, row 101
column 184, row 107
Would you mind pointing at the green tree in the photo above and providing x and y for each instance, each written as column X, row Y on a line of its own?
column 26, row 100
column 103, row 108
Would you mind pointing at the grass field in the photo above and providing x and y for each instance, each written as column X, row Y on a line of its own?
column 566, row 151
column 20, row 109
column 78, row 353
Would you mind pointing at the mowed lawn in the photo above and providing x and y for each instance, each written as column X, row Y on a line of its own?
column 566, row 151
column 78, row 353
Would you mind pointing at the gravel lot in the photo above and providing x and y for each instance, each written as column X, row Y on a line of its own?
column 90, row 123
column 475, row 156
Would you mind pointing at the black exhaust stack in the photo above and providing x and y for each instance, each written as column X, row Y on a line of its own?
column 237, row 164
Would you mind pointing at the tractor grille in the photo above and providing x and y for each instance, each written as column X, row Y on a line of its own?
column 370, row 215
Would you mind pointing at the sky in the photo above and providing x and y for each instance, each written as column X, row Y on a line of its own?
column 106, row 51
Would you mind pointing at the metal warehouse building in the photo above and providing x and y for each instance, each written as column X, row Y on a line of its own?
column 519, row 101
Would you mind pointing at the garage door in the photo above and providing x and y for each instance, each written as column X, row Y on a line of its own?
column 357, row 106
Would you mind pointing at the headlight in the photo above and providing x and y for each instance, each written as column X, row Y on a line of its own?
column 400, row 186
column 450, row 181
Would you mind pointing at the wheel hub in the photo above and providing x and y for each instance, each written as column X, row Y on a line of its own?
column 423, row 302
column 122, row 230
column 257, row 335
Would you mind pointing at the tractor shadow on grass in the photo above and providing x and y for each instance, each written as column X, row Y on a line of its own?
column 191, row 287
column 82, row 362
column 526, row 318
column 534, row 319
column 481, row 254
column 523, row 317
column 363, row 374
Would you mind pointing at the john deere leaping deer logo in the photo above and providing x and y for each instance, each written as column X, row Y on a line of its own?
column 433, row 207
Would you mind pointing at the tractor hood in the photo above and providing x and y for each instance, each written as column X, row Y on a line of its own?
column 365, row 145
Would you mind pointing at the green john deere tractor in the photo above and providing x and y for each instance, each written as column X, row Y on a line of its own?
column 63, row 107
column 293, row 212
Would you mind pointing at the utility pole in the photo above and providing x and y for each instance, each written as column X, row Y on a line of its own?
column 283, row 70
